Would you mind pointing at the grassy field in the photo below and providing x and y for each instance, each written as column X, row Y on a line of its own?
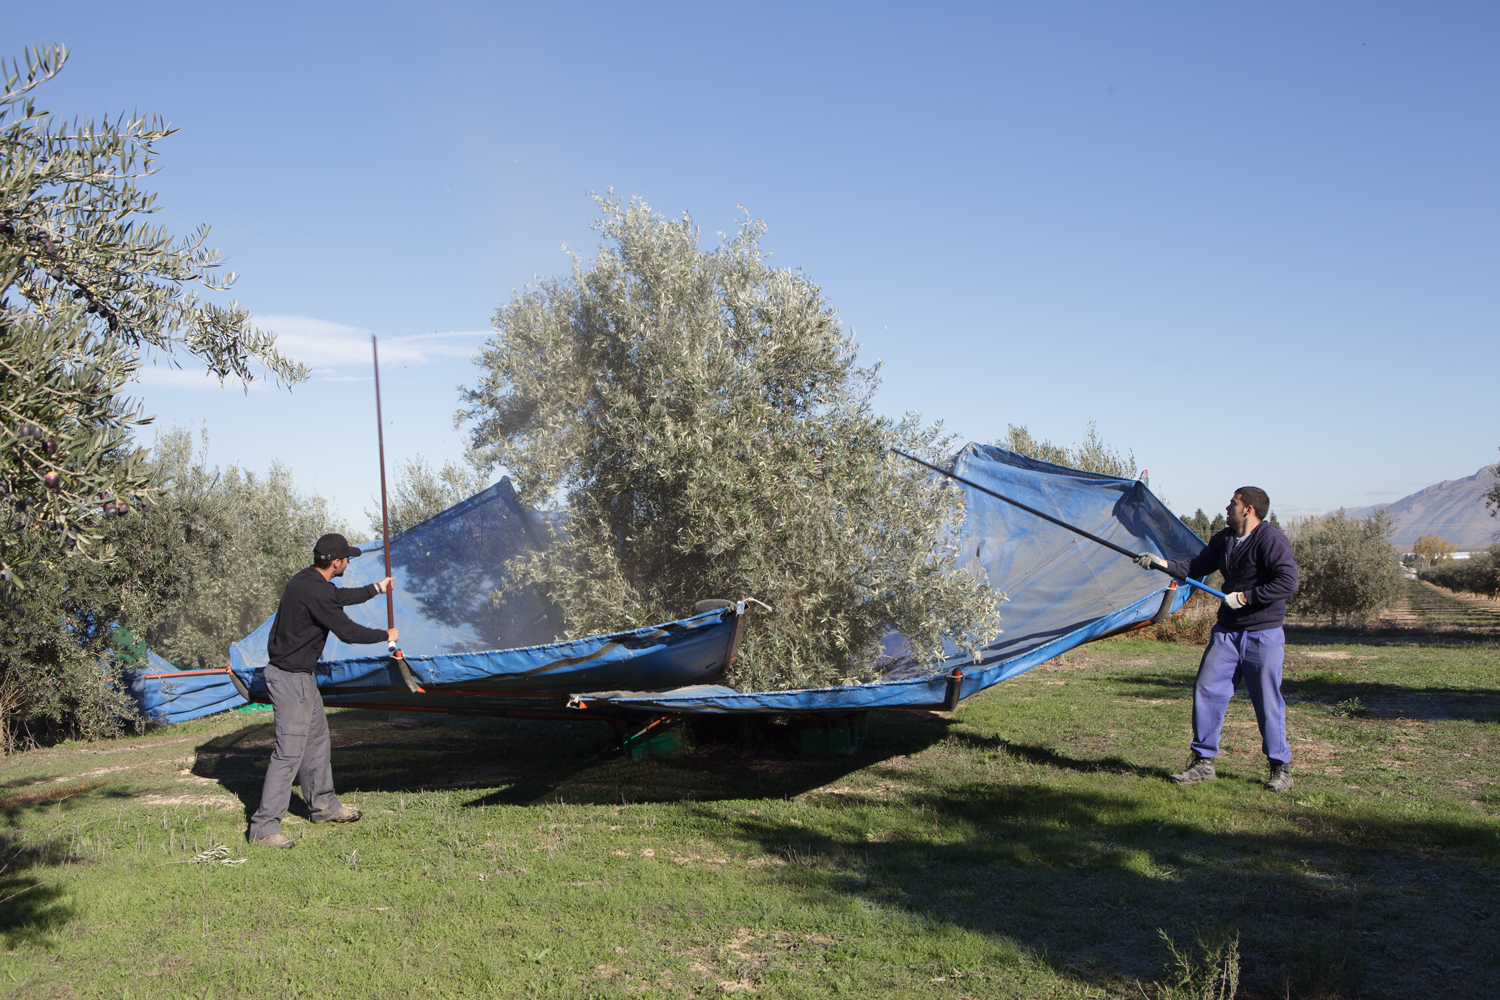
column 1026, row 846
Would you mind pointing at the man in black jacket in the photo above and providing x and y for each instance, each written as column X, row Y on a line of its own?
column 1248, row 643
column 311, row 607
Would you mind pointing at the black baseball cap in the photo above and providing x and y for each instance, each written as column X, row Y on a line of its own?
column 334, row 546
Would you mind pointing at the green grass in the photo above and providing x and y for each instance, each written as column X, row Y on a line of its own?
column 1028, row 846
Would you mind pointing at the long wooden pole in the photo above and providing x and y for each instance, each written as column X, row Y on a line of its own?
column 1061, row 524
column 385, row 517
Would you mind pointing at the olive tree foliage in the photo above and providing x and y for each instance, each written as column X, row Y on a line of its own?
column 1478, row 575
column 703, row 418
column 1347, row 566
column 1091, row 454
column 239, row 536
column 199, row 571
column 87, row 291
column 1491, row 496
column 56, row 653
column 420, row 493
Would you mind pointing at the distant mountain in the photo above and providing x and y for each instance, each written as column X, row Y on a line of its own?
column 1453, row 509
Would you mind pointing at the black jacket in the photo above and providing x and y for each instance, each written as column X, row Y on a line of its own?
column 311, row 607
column 1261, row 566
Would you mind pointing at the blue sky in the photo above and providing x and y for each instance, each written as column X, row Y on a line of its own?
column 1257, row 243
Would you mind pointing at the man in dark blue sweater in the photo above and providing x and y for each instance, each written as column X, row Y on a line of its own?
column 1248, row 643
column 311, row 607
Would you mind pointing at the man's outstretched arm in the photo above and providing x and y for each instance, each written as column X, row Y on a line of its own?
column 329, row 614
column 345, row 596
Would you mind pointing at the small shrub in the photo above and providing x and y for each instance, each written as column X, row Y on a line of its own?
column 1189, row 626
column 1350, row 708
column 1209, row 971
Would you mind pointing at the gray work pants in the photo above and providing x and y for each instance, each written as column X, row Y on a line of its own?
column 301, row 752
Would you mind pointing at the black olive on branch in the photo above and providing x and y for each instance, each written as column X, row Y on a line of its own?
column 52, row 480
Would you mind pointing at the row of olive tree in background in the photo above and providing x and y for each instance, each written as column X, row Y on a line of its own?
column 1092, row 454
column 197, row 571
column 419, row 492
column 704, row 417
column 1479, row 574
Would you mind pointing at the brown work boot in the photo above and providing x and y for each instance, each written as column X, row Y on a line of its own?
column 278, row 840
column 1281, row 776
column 1200, row 769
column 343, row 814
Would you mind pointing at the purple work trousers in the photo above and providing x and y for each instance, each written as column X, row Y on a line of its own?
column 1254, row 658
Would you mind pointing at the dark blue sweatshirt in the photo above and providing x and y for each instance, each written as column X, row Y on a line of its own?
column 1261, row 566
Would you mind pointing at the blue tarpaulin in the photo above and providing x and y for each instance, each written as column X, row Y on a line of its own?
column 465, row 646
column 166, row 694
column 468, row 650
column 1061, row 590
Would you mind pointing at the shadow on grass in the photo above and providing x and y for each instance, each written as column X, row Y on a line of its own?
column 1085, row 878
column 1035, row 753
column 523, row 762
column 31, row 907
column 1383, row 700
column 1079, row 877
column 1463, row 632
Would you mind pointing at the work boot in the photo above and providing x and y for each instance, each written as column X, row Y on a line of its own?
column 1281, row 776
column 1201, row 769
column 343, row 814
column 278, row 840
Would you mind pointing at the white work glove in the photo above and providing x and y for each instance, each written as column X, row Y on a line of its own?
column 1149, row 560
column 1235, row 600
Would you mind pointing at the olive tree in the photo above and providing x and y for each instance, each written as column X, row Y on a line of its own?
column 1478, row 575
column 200, row 571
column 702, row 417
column 420, row 492
column 238, row 536
column 88, row 288
column 1091, row 454
column 1347, row 566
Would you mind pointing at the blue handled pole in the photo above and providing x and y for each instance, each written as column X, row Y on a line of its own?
column 1061, row 524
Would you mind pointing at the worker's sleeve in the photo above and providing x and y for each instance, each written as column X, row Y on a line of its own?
column 1205, row 562
column 328, row 613
column 1280, row 572
column 354, row 595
